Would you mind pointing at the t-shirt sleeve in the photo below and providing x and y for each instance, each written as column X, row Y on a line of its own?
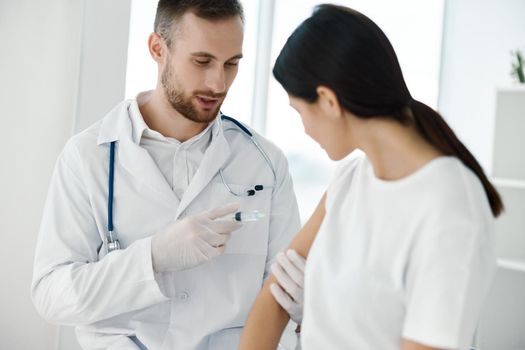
column 448, row 278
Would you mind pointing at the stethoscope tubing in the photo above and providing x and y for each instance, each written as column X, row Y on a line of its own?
column 111, row 181
column 112, row 242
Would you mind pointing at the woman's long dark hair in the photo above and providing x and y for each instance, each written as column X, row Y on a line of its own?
column 344, row 50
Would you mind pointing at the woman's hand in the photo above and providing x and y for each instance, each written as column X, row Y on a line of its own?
column 289, row 289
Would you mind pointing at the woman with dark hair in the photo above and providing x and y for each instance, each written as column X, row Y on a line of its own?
column 403, row 255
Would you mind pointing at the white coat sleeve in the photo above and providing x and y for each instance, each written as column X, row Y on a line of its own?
column 70, row 286
column 284, row 218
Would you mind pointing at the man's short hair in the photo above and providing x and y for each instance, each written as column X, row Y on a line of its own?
column 169, row 12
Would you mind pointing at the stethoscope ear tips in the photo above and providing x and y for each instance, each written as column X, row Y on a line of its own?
column 255, row 188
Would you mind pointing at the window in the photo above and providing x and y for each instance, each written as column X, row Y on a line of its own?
column 141, row 69
column 414, row 27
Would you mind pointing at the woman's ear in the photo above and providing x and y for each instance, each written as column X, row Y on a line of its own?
column 328, row 102
column 156, row 47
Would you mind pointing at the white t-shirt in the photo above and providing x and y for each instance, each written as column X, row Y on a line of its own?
column 411, row 258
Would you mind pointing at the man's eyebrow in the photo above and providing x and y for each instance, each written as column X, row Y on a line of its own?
column 236, row 57
column 209, row 55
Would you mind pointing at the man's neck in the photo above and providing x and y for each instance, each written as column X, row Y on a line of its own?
column 160, row 116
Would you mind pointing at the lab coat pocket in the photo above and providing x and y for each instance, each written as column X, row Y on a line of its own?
column 234, row 278
column 252, row 237
column 226, row 339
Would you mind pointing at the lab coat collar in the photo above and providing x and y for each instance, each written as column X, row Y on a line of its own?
column 126, row 121
column 117, row 126
column 216, row 155
column 139, row 126
column 116, row 123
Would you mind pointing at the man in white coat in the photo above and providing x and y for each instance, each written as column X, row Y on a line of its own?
column 185, row 275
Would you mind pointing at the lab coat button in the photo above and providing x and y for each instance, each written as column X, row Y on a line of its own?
column 182, row 296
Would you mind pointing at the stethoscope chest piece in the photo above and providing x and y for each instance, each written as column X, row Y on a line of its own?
column 112, row 243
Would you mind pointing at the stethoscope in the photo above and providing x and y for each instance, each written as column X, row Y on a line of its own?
column 112, row 242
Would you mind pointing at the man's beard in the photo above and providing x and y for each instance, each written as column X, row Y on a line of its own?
column 183, row 104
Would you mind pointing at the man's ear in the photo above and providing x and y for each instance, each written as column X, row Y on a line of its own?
column 157, row 47
column 328, row 101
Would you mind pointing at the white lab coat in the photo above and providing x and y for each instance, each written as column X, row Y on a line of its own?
column 111, row 299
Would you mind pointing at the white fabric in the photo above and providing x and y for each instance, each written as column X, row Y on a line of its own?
column 178, row 161
column 111, row 298
column 410, row 259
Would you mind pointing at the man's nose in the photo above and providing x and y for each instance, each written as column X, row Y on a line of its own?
column 215, row 80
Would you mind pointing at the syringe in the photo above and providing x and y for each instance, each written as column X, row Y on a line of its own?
column 244, row 216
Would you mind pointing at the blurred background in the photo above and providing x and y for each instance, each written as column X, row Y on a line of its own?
column 65, row 63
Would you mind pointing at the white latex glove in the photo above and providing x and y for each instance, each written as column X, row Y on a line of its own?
column 289, row 272
column 193, row 240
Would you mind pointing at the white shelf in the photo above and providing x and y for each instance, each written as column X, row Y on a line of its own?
column 508, row 170
column 516, row 265
column 502, row 323
column 514, row 183
column 516, row 87
column 509, row 124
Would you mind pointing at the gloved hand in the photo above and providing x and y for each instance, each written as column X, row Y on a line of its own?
column 289, row 272
column 193, row 240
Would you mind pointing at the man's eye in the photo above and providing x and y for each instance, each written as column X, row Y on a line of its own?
column 202, row 62
column 232, row 64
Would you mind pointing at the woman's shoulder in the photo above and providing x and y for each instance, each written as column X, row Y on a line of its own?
column 344, row 175
column 349, row 164
column 455, row 176
column 457, row 188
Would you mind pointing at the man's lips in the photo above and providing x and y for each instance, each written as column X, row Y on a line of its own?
column 207, row 102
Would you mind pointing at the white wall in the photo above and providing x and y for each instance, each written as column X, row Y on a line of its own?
column 47, row 89
column 104, row 54
column 38, row 68
column 477, row 40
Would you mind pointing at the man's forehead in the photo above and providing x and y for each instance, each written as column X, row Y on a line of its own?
column 190, row 22
column 221, row 37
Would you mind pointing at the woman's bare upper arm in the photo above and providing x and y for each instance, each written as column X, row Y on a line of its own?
column 410, row 345
column 267, row 319
column 305, row 237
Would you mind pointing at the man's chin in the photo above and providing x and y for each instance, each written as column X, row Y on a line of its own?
column 206, row 115
column 196, row 114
